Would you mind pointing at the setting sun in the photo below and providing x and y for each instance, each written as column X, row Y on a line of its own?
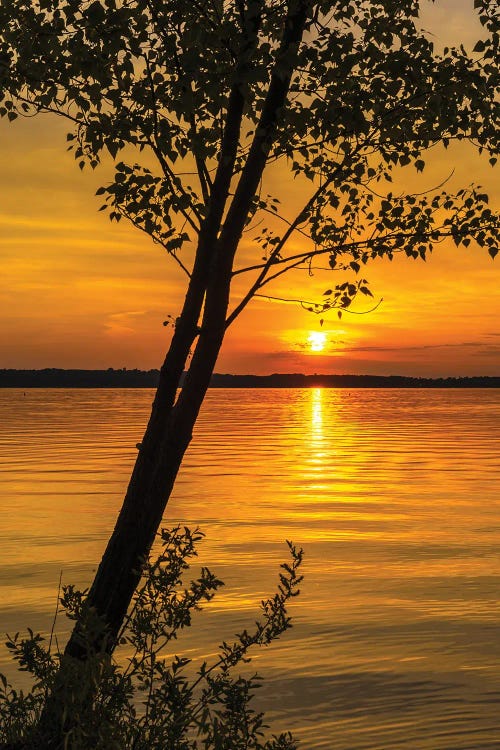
column 317, row 341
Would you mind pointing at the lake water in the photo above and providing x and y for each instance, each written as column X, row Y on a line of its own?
column 394, row 495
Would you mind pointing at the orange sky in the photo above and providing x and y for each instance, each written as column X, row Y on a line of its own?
column 78, row 291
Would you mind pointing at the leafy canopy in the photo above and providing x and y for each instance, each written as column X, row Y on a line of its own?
column 368, row 96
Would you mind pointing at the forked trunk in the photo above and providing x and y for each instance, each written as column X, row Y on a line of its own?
column 171, row 423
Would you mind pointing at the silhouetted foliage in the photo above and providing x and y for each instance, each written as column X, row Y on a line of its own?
column 150, row 699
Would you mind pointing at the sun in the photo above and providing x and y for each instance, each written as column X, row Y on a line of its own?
column 317, row 341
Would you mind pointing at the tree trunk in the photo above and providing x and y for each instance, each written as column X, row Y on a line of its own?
column 170, row 426
column 171, row 423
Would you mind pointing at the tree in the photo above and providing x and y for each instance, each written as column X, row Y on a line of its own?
column 210, row 94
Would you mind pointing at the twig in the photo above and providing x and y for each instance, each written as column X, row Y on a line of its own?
column 56, row 612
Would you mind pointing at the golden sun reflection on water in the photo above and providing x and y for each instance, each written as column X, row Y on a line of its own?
column 317, row 414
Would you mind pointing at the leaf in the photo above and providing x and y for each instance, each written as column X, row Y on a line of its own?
column 419, row 165
column 112, row 148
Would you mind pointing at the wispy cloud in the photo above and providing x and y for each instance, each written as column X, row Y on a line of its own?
column 416, row 347
column 123, row 322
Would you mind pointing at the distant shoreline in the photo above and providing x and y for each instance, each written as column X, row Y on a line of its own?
column 123, row 378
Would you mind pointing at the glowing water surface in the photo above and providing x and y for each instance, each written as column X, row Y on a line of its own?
column 394, row 494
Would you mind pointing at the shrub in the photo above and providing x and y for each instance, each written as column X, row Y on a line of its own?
column 151, row 701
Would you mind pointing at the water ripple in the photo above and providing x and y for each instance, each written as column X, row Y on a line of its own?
column 393, row 494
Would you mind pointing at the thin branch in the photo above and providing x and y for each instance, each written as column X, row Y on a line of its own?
column 283, row 270
column 317, row 307
column 167, row 170
column 52, row 629
column 299, row 258
column 274, row 256
column 172, row 254
column 47, row 110
column 172, row 178
column 366, row 185
column 202, row 171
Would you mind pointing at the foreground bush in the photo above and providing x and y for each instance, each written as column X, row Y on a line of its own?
column 150, row 701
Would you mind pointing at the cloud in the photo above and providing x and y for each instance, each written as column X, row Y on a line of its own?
column 490, row 351
column 305, row 346
column 123, row 322
column 415, row 347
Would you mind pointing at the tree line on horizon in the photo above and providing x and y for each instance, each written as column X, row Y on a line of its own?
column 136, row 378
